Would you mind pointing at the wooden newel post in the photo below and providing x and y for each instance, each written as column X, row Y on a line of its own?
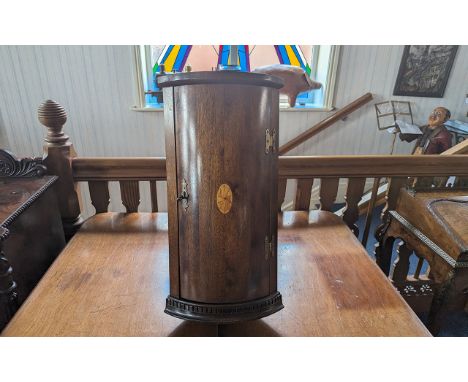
column 58, row 154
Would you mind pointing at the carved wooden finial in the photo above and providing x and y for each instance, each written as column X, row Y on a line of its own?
column 53, row 116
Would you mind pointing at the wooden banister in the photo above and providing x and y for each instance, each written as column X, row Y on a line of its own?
column 297, row 167
column 58, row 154
column 340, row 114
column 460, row 148
column 329, row 169
column 371, row 166
column 119, row 168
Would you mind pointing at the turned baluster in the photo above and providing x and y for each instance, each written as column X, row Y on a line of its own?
column 384, row 246
column 328, row 192
column 130, row 193
column 58, row 154
column 303, row 194
column 353, row 197
column 99, row 193
column 400, row 268
column 282, row 183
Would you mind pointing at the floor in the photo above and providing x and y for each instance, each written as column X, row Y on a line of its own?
column 457, row 323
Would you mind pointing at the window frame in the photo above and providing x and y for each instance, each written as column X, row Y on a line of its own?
column 143, row 70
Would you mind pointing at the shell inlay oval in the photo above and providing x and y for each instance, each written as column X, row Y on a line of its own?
column 224, row 198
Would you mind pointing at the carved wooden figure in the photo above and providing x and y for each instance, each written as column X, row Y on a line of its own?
column 222, row 168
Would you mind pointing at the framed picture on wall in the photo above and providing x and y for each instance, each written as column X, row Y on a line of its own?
column 424, row 70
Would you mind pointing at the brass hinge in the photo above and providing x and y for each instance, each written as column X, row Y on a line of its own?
column 269, row 247
column 270, row 141
column 184, row 195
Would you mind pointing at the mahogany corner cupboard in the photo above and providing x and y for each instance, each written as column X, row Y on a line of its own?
column 222, row 169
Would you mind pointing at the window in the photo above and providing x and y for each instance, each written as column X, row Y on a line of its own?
column 319, row 61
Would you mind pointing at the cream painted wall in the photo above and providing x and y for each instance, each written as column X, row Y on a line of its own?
column 97, row 86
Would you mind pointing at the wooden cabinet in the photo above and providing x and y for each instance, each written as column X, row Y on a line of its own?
column 432, row 223
column 222, row 168
column 31, row 234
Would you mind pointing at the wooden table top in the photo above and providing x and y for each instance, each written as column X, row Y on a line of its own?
column 112, row 280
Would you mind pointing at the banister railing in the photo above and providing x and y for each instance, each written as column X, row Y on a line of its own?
column 119, row 168
column 328, row 169
column 372, row 166
column 60, row 160
column 460, row 148
column 335, row 117
column 297, row 167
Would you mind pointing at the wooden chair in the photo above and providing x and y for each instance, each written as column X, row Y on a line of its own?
column 112, row 277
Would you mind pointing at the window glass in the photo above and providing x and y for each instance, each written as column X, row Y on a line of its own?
column 315, row 60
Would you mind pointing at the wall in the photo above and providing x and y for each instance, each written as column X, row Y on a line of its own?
column 97, row 86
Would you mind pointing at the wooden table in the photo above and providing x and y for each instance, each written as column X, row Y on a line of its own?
column 112, row 280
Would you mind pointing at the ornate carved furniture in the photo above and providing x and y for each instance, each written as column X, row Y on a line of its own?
column 31, row 232
column 433, row 224
column 222, row 170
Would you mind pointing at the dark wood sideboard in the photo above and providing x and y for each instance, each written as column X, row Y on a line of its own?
column 31, row 232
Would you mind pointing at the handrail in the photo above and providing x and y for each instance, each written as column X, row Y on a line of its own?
column 340, row 114
column 119, row 168
column 460, row 148
column 371, row 166
column 344, row 166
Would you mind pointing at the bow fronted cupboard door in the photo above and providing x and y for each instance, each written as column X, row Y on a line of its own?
column 222, row 166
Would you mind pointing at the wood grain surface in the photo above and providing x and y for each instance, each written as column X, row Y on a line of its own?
column 219, row 132
column 153, row 168
column 112, row 280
